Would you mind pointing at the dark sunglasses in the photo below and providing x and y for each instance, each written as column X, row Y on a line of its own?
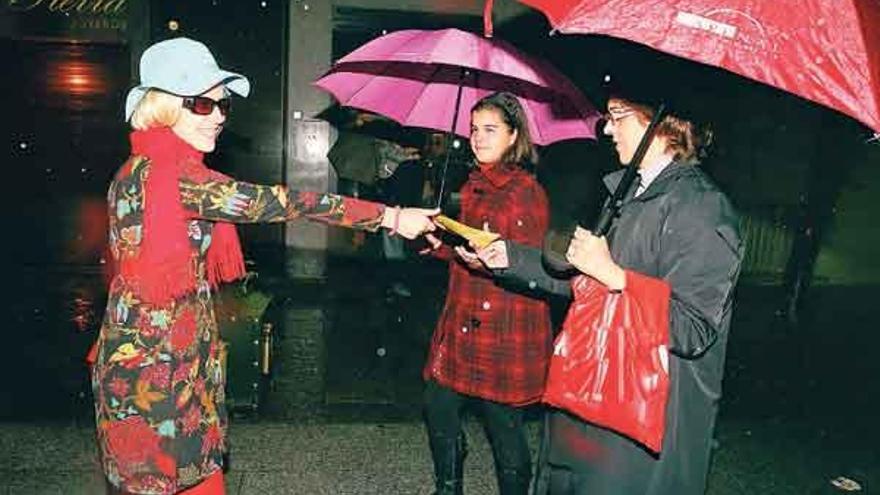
column 201, row 105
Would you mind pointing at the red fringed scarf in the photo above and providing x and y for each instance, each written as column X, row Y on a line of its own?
column 165, row 267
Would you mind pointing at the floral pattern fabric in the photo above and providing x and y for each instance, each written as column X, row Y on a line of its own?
column 157, row 379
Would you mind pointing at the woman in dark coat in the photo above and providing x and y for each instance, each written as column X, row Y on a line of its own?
column 677, row 228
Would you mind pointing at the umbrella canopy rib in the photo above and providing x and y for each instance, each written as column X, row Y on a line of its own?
column 413, row 77
column 825, row 51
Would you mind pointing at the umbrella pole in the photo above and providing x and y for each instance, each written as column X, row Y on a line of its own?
column 554, row 249
column 450, row 137
column 611, row 209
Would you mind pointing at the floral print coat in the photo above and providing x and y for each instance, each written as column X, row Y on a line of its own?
column 157, row 378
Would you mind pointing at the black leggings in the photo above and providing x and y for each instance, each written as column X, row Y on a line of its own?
column 564, row 481
column 444, row 410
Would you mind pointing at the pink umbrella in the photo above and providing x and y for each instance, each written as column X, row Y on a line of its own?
column 427, row 79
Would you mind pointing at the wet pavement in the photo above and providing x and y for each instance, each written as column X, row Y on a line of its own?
column 798, row 415
column 268, row 458
column 785, row 457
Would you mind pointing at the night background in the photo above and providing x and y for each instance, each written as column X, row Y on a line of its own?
column 328, row 335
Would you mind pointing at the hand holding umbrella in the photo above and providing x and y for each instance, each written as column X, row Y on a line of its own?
column 591, row 256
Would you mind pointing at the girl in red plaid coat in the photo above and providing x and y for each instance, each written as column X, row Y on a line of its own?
column 491, row 347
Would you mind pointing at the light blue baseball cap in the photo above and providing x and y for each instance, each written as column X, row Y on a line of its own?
column 183, row 67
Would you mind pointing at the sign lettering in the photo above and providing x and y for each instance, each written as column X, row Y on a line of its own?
column 94, row 7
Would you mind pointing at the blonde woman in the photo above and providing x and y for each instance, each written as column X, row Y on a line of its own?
column 157, row 378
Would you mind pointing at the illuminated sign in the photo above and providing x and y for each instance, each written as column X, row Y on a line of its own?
column 96, row 7
column 90, row 20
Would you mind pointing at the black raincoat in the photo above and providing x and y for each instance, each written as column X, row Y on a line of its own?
column 682, row 229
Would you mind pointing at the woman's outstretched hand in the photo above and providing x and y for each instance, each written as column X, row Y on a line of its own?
column 409, row 222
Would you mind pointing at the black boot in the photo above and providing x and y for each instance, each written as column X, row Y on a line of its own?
column 448, row 455
column 514, row 481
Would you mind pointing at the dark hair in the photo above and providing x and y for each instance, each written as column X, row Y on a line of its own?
column 687, row 140
column 522, row 152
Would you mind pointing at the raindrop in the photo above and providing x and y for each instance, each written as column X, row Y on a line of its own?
column 23, row 145
column 380, row 352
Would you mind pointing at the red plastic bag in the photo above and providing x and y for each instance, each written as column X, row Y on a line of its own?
column 610, row 362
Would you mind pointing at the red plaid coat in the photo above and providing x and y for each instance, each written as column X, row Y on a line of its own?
column 491, row 343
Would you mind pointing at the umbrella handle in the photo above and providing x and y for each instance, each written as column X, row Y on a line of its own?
column 555, row 246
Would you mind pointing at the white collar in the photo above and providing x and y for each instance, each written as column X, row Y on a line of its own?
column 650, row 172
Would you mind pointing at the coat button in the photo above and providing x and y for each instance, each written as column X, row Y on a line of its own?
column 486, row 305
column 463, row 329
column 519, row 222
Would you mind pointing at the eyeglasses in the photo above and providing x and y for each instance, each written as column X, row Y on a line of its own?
column 614, row 117
column 202, row 105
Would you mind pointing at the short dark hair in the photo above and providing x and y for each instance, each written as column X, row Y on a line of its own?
column 688, row 141
column 523, row 151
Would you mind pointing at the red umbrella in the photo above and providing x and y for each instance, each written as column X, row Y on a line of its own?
column 827, row 51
